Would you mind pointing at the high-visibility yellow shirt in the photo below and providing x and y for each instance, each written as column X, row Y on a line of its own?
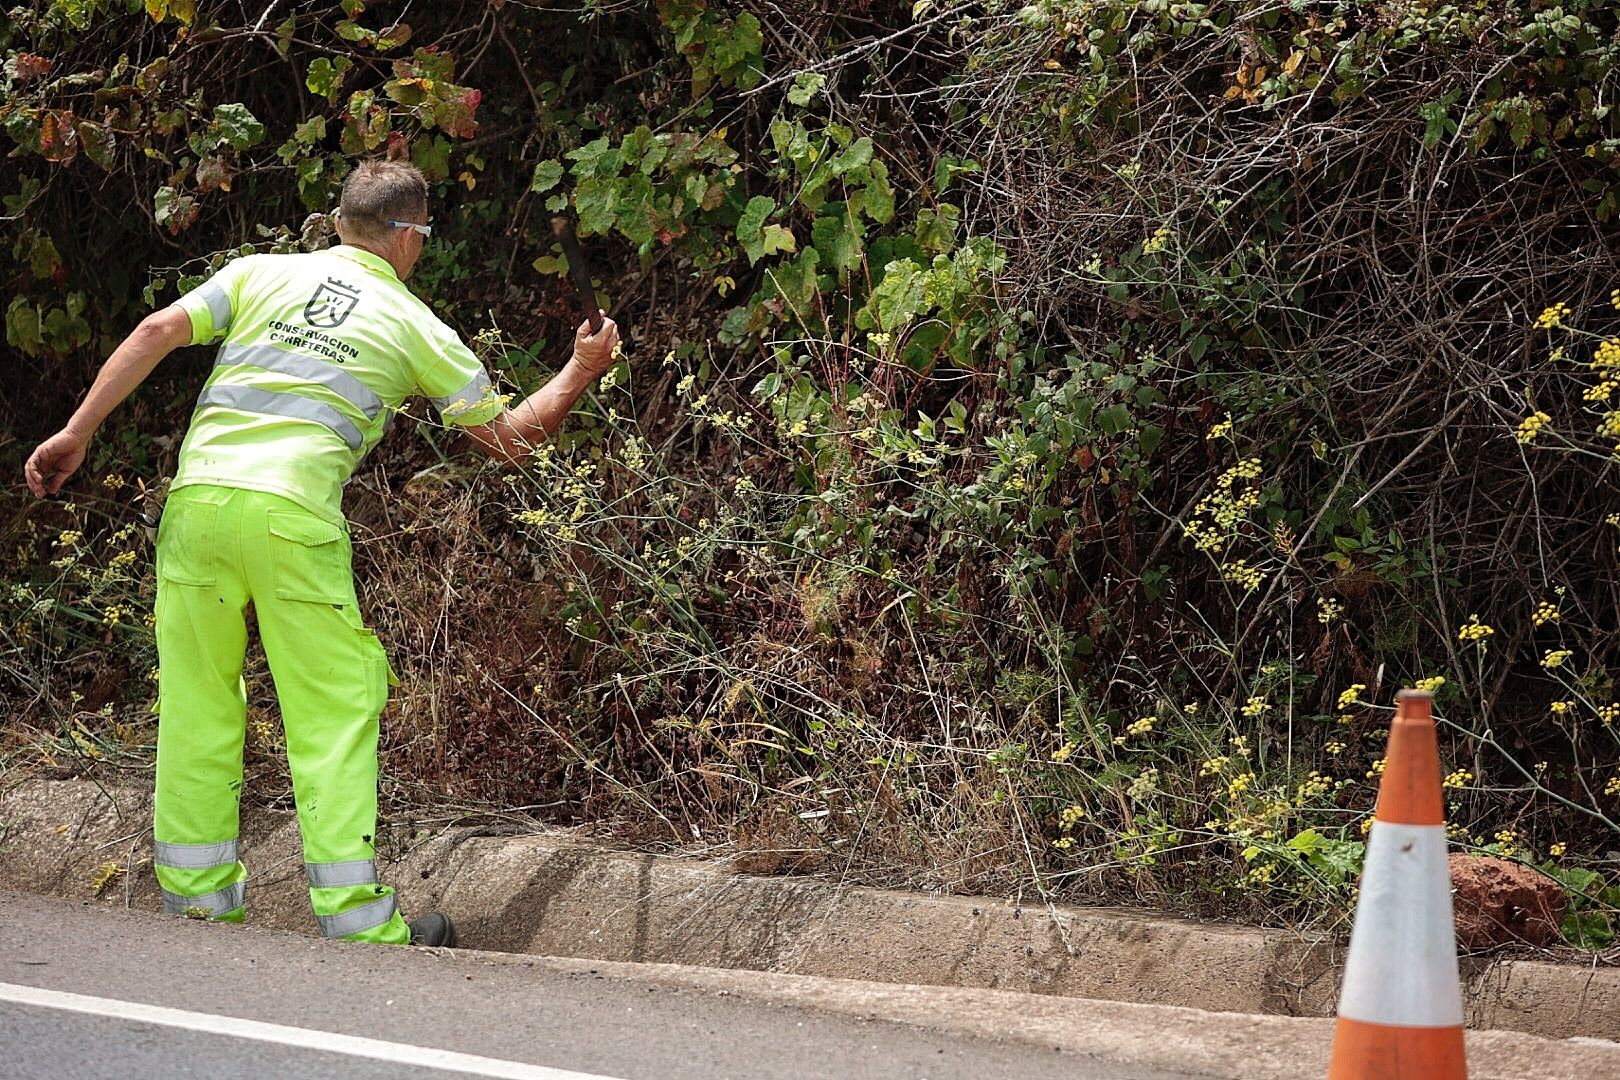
column 317, row 352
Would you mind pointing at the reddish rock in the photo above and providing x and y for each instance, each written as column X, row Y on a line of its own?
column 1498, row 902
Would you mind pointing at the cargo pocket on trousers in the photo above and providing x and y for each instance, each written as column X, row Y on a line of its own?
column 185, row 544
column 380, row 677
column 309, row 558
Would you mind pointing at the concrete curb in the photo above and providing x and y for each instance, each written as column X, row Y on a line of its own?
column 555, row 894
column 1227, row 1045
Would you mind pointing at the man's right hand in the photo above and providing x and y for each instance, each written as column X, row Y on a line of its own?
column 595, row 352
column 54, row 461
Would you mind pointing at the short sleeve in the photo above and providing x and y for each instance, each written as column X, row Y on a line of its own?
column 212, row 304
column 449, row 375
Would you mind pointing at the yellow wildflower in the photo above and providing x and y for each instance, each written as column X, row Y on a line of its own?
column 1474, row 630
column 1242, row 574
column 1315, row 784
column 1552, row 317
column 1531, row 426
column 1607, row 356
column 1555, row 658
column 1431, row 684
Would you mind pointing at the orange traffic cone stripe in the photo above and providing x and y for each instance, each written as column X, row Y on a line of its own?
column 1400, row 1007
column 1384, row 1052
column 1410, row 790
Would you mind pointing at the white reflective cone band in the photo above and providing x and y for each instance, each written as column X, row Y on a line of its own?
column 1402, row 969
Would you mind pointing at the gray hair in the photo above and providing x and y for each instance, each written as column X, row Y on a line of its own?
column 377, row 192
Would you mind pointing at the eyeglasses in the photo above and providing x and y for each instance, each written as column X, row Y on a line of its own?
column 426, row 231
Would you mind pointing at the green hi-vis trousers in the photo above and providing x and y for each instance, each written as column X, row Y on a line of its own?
column 220, row 549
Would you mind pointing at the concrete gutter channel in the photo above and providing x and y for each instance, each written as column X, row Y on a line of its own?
column 556, row 895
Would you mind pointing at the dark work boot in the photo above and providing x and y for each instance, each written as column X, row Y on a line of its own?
column 434, row 928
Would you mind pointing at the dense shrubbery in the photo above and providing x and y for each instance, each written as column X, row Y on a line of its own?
column 1051, row 435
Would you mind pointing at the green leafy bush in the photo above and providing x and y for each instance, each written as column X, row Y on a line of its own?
column 1053, row 430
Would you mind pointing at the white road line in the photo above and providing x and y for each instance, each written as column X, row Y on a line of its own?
column 304, row 1038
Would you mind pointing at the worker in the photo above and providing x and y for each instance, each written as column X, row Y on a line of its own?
column 317, row 352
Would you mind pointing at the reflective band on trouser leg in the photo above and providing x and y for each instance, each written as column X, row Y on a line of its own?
column 223, row 902
column 331, row 679
column 278, row 403
column 339, row 875
column 218, row 857
column 194, row 856
column 202, row 709
column 378, row 913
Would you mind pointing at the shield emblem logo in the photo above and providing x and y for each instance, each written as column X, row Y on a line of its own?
column 330, row 304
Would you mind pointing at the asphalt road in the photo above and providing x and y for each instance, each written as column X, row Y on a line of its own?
column 89, row 993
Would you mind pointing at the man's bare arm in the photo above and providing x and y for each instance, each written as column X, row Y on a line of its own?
column 59, row 457
column 512, row 435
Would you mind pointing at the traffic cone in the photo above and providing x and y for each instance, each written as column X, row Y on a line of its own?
column 1400, row 1007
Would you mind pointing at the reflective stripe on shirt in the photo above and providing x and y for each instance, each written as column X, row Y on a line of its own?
column 301, row 366
column 471, row 394
column 219, row 305
column 292, row 406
